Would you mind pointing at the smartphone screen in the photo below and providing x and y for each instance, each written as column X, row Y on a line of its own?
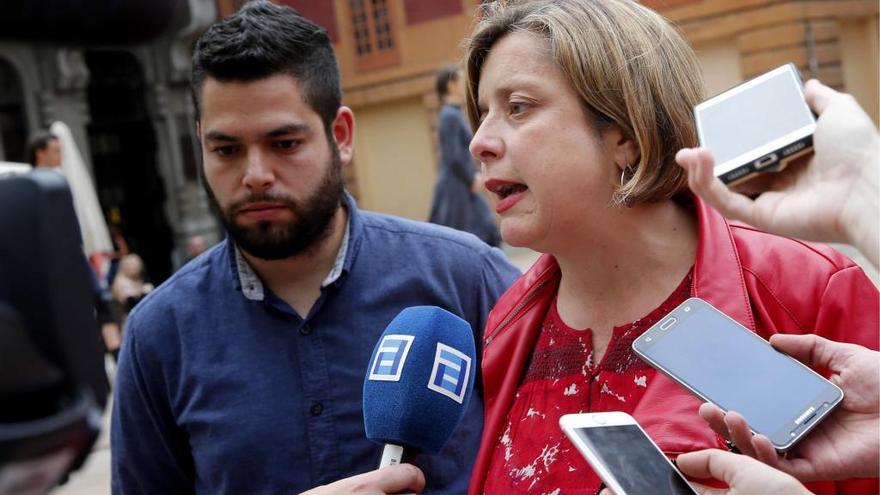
column 633, row 460
column 737, row 370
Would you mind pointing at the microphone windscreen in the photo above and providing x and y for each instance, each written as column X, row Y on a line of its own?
column 420, row 379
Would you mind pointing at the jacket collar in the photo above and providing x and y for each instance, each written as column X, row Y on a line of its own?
column 718, row 272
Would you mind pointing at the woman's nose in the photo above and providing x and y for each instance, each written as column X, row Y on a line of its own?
column 486, row 146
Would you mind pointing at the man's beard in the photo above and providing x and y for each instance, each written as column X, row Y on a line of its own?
column 311, row 222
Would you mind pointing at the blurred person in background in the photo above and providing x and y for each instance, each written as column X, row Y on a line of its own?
column 195, row 246
column 129, row 286
column 457, row 203
column 120, row 245
column 44, row 150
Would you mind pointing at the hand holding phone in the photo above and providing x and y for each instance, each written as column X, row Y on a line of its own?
column 742, row 475
column 757, row 126
column 844, row 446
column 723, row 362
column 623, row 455
column 832, row 198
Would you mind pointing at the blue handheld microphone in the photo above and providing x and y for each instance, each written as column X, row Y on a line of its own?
column 419, row 383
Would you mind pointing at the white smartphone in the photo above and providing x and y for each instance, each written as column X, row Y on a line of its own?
column 726, row 364
column 758, row 126
column 623, row 455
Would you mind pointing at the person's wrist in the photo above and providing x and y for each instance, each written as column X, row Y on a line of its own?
column 859, row 218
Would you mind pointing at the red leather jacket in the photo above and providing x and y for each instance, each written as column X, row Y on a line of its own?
column 769, row 284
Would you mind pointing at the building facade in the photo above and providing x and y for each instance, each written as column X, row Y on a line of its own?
column 130, row 112
column 128, row 108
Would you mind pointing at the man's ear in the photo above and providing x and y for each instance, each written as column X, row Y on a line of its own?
column 343, row 133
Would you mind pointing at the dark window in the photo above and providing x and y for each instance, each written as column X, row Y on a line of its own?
column 375, row 45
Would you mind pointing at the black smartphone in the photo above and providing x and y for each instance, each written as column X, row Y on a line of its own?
column 757, row 126
column 725, row 363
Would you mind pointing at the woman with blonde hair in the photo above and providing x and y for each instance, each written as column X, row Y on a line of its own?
column 579, row 107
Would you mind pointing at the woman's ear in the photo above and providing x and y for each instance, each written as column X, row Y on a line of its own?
column 624, row 148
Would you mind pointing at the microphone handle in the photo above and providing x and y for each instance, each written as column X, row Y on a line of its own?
column 393, row 454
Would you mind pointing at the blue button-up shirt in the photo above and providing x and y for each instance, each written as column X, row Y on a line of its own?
column 223, row 388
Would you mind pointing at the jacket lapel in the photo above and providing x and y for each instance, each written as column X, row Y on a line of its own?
column 718, row 274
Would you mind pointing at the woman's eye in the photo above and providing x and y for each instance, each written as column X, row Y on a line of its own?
column 517, row 107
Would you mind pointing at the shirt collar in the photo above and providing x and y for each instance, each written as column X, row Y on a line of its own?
column 252, row 286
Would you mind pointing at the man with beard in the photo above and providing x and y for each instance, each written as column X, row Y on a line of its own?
column 243, row 372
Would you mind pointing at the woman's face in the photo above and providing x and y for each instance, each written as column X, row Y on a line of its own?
column 132, row 267
column 547, row 167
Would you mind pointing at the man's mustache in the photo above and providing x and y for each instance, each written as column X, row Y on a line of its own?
column 239, row 205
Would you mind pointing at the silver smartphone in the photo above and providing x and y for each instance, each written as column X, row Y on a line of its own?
column 758, row 126
column 623, row 455
column 726, row 364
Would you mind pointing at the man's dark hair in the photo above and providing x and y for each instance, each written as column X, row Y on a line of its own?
column 38, row 141
column 445, row 75
column 262, row 40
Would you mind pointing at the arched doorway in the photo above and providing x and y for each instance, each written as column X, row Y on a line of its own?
column 13, row 130
column 123, row 145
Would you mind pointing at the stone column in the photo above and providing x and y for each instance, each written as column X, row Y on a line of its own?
column 63, row 96
column 175, row 121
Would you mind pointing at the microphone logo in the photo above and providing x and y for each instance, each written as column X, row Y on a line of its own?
column 450, row 374
column 390, row 358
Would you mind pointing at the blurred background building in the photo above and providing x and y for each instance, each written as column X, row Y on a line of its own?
column 128, row 105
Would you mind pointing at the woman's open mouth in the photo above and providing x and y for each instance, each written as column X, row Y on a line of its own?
column 509, row 193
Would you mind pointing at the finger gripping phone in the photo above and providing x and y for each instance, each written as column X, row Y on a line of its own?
column 726, row 364
column 623, row 455
column 757, row 126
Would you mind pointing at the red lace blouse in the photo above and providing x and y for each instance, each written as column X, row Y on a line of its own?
column 533, row 455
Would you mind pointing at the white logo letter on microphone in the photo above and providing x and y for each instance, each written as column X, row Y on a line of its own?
column 450, row 374
column 390, row 358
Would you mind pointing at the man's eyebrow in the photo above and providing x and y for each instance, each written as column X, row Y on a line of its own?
column 278, row 131
column 288, row 129
column 219, row 136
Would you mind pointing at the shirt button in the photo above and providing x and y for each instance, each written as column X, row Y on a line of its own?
column 305, row 330
column 317, row 409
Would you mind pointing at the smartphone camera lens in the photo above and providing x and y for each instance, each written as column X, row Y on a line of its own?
column 687, row 308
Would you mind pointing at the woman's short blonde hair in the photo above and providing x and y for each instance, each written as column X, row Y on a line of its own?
column 629, row 66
